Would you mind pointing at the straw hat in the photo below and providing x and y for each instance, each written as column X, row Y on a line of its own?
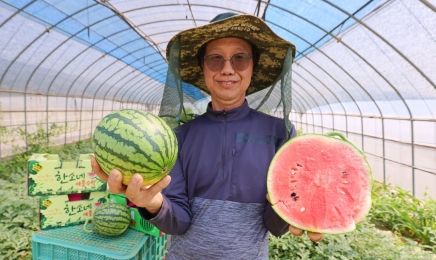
column 272, row 48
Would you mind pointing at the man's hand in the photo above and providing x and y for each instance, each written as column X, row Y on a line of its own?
column 315, row 237
column 148, row 197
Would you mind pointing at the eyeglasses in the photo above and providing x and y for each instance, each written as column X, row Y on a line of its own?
column 239, row 61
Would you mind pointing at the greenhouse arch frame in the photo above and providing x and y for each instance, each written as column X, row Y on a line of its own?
column 365, row 68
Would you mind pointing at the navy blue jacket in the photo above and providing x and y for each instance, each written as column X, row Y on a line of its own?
column 222, row 167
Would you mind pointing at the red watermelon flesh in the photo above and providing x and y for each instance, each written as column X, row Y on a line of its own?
column 320, row 183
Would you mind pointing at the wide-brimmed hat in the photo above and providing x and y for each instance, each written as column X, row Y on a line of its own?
column 272, row 48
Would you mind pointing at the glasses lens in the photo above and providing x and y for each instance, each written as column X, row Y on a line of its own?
column 214, row 62
column 241, row 61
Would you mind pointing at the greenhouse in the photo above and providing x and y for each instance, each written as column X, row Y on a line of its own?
column 365, row 68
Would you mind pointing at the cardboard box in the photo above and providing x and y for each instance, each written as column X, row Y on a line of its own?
column 67, row 210
column 48, row 174
column 136, row 222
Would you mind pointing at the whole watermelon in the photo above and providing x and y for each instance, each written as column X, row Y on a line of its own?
column 111, row 219
column 320, row 183
column 135, row 141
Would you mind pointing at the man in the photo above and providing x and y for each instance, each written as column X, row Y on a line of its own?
column 213, row 203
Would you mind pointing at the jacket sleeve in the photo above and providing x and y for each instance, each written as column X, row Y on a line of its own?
column 174, row 218
column 273, row 222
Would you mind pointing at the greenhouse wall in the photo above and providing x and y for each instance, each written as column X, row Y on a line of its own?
column 67, row 119
column 393, row 158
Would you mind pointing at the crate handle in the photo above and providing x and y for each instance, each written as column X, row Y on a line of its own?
column 84, row 226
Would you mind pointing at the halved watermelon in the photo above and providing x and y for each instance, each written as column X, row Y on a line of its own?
column 320, row 183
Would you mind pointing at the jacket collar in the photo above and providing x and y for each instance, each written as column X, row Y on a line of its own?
column 228, row 115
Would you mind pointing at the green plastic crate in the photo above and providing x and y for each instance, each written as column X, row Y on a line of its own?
column 74, row 243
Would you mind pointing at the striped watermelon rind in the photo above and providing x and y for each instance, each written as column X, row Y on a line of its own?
column 135, row 141
column 111, row 219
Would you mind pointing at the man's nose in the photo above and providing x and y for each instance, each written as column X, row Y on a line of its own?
column 227, row 67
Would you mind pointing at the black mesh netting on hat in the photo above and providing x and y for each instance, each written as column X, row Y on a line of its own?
column 277, row 99
column 171, row 105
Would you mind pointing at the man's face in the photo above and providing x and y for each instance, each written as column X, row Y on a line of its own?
column 227, row 86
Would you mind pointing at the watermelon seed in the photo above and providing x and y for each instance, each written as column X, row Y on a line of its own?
column 345, row 173
column 299, row 165
column 292, row 171
column 296, row 198
column 342, row 192
column 345, row 181
column 293, row 194
column 302, row 209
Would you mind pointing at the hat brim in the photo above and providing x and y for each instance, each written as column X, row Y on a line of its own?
column 272, row 49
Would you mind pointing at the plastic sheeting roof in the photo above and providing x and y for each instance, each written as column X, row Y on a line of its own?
column 353, row 56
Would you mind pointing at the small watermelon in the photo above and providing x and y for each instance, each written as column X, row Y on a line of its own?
column 320, row 183
column 110, row 219
column 135, row 141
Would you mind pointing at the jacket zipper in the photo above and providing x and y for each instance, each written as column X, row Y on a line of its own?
column 224, row 145
column 231, row 171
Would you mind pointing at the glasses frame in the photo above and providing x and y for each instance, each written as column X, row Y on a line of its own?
column 250, row 56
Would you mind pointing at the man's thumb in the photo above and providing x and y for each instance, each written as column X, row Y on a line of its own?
column 159, row 186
